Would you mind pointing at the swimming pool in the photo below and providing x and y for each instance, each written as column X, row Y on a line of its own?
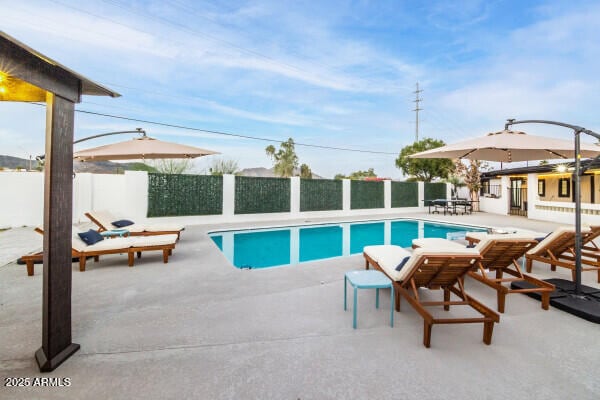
column 273, row 247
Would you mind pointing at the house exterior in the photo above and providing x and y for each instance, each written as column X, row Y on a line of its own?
column 544, row 192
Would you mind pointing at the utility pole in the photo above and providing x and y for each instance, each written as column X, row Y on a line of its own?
column 416, row 110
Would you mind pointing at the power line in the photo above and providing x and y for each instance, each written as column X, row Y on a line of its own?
column 189, row 128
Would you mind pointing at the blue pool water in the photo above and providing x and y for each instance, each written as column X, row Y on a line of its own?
column 262, row 248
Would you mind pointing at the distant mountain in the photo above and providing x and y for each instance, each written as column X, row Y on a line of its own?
column 268, row 173
column 16, row 162
column 96, row 167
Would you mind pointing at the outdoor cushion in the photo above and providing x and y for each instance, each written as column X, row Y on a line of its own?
column 519, row 234
column 424, row 252
column 485, row 242
column 156, row 240
column 548, row 241
column 539, row 239
column 386, row 251
column 389, row 256
column 437, row 242
column 163, row 227
column 90, row 237
column 106, row 218
column 404, row 260
column 107, row 244
column 122, row 223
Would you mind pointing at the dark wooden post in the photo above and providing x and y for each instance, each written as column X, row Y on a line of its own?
column 35, row 77
column 58, row 199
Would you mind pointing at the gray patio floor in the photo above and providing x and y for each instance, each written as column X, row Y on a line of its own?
column 199, row 328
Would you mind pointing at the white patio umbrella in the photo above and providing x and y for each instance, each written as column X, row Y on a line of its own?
column 509, row 146
column 143, row 147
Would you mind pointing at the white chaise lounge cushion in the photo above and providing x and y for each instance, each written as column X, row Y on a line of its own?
column 486, row 241
column 106, row 218
column 519, row 234
column 389, row 256
column 155, row 240
column 437, row 243
column 548, row 242
column 106, row 244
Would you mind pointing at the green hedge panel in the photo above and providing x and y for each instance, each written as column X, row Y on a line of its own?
column 320, row 194
column 405, row 194
column 366, row 194
column 171, row 195
column 435, row 190
column 261, row 195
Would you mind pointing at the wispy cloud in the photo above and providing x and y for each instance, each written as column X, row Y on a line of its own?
column 333, row 73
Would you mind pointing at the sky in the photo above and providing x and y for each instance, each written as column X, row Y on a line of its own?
column 333, row 73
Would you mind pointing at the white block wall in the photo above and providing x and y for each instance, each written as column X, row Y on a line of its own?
column 21, row 199
column 22, row 203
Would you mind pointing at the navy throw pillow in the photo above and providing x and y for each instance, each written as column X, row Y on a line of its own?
column 539, row 239
column 90, row 237
column 404, row 260
column 122, row 223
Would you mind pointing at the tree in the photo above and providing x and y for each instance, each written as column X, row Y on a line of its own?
column 456, row 183
column 285, row 160
column 172, row 166
column 471, row 175
column 358, row 175
column 140, row 166
column 220, row 166
column 305, row 172
column 427, row 168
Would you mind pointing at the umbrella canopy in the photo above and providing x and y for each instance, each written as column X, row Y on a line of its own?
column 509, row 146
column 141, row 148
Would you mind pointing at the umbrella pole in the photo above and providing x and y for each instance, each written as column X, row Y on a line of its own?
column 577, row 193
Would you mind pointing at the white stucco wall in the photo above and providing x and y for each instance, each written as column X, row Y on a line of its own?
column 21, row 199
column 498, row 205
column 126, row 196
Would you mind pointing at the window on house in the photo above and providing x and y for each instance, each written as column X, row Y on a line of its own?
column 542, row 188
column 564, row 187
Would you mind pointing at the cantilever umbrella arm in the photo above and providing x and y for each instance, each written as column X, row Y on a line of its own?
column 137, row 130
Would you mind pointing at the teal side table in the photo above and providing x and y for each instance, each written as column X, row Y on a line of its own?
column 369, row 279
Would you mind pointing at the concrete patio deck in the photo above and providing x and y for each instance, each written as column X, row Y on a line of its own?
column 199, row 328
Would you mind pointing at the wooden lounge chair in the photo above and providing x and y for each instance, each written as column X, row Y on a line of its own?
column 513, row 233
column 431, row 269
column 499, row 254
column 125, row 245
column 104, row 220
column 588, row 239
column 558, row 249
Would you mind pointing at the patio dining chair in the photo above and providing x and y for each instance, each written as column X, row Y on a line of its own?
column 433, row 269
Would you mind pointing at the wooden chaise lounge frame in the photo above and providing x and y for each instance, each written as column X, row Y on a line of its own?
column 500, row 256
column 440, row 271
column 562, row 253
column 102, row 228
column 167, row 249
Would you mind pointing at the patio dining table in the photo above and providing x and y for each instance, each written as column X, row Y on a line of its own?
column 450, row 206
